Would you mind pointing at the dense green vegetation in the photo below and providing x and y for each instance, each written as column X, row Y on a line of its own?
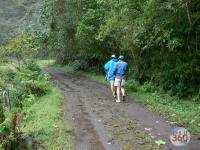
column 25, row 89
column 19, row 90
column 32, row 120
column 19, row 48
column 160, row 39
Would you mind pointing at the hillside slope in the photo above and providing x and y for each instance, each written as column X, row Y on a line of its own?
column 17, row 14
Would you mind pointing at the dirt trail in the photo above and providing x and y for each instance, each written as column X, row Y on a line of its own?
column 100, row 123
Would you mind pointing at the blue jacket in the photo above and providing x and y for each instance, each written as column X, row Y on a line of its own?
column 120, row 68
column 108, row 67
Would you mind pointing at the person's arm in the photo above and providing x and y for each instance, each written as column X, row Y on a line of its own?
column 106, row 69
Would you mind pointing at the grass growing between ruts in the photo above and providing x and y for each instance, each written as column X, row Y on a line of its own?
column 45, row 121
column 182, row 112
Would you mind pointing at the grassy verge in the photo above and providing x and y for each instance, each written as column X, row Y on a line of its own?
column 177, row 111
column 45, row 63
column 43, row 119
column 4, row 67
column 41, row 63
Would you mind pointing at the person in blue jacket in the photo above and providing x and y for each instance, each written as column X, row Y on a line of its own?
column 119, row 71
column 108, row 67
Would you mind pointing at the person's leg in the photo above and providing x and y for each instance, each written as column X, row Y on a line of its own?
column 118, row 85
column 112, row 87
column 115, row 90
column 118, row 93
column 123, row 90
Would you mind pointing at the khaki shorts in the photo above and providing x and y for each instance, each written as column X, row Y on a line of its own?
column 112, row 82
column 119, row 82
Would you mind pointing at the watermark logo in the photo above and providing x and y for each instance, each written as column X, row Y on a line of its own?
column 180, row 136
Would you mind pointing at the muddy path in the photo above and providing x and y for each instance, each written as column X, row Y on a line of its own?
column 101, row 124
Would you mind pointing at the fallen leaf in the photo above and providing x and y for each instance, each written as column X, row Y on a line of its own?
column 158, row 134
column 148, row 129
column 151, row 136
column 173, row 122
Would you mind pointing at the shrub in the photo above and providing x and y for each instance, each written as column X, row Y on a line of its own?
column 80, row 65
column 148, row 87
column 35, row 83
column 31, row 65
column 30, row 80
column 132, row 85
column 2, row 117
column 24, row 87
column 197, row 97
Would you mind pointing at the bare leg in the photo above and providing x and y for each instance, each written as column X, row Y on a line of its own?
column 112, row 87
column 118, row 93
column 115, row 90
column 123, row 91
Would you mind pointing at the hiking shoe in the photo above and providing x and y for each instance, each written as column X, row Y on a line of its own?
column 124, row 98
column 118, row 101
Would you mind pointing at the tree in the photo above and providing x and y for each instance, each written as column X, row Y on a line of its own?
column 19, row 48
column 160, row 38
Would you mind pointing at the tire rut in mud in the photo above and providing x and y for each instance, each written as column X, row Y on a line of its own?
column 86, row 136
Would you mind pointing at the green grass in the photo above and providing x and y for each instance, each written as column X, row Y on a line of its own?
column 4, row 67
column 177, row 111
column 96, row 77
column 68, row 69
column 44, row 119
column 46, row 63
column 41, row 63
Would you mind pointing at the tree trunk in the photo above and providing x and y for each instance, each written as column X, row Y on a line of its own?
column 188, row 14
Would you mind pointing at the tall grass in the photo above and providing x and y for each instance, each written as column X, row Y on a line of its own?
column 44, row 119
